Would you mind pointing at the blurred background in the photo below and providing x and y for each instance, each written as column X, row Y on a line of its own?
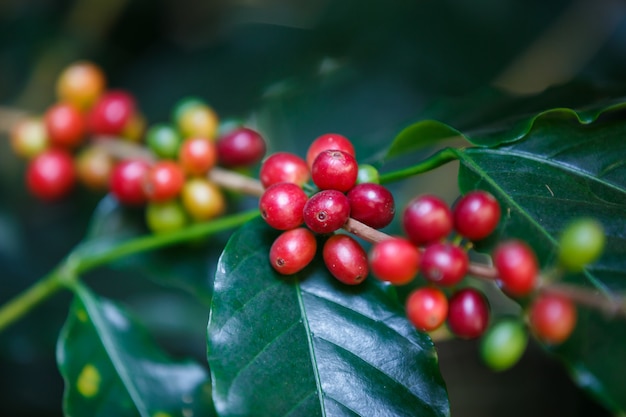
column 294, row 70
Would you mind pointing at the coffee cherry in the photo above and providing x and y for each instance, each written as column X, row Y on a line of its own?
column 165, row 217
column 476, row 215
column 426, row 219
column 293, row 250
column 284, row 167
column 371, row 204
column 552, row 318
column 194, row 118
column 111, row 113
column 444, row 264
column 197, row 155
column 468, row 313
column 126, row 182
column 202, row 199
column 345, row 259
column 394, row 260
column 326, row 211
column 93, row 167
column 29, row 137
column 135, row 128
column 427, row 308
column 282, row 205
column 334, row 170
column 326, row 142
column 164, row 140
column 163, row 181
column 240, row 147
column 80, row 84
column 183, row 105
column 503, row 344
column 65, row 125
column 50, row 175
column 581, row 243
column 517, row 267
column 367, row 174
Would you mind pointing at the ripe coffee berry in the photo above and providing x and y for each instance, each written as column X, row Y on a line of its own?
column 426, row 219
column 65, row 125
column 80, row 84
column 345, row 259
column 476, row 215
column 197, row 155
column 240, row 147
column 552, row 318
column 293, row 250
column 444, row 264
column 334, row 170
column 371, row 204
column 468, row 313
column 394, row 260
column 29, row 137
column 202, row 199
column 127, row 178
column 50, row 175
column 282, row 205
column 284, row 167
column 328, row 141
column 163, row 181
column 326, row 211
column 517, row 267
column 427, row 308
column 111, row 113
column 581, row 243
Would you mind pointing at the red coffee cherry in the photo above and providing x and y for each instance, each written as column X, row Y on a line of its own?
column 328, row 141
column 552, row 318
column 282, row 205
column 81, row 84
column 111, row 113
column 127, row 178
column 345, row 259
column 334, row 170
column 284, row 167
column 476, row 215
column 240, row 147
column 163, row 181
column 326, row 211
column 197, row 155
column 427, row 308
column 293, row 250
column 426, row 219
column 65, row 125
column 468, row 313
column 394, row 260
column 371, row 204
column 444, row 264
column 517, row 267
column 50, row 175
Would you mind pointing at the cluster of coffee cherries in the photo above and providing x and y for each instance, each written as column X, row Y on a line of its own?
column 83, row 138
column 435, row 247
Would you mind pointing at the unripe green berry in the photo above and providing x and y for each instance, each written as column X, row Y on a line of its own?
column 503, row 344
column 367, row 174
column 166, row 217
column 581, row 243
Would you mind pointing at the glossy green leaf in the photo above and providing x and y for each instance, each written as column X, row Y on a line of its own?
column 562, row 169
column 307, row 345
column 111, row 367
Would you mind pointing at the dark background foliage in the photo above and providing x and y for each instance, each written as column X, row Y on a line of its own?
column 363, row 68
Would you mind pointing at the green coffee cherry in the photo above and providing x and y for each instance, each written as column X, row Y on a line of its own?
column 581, row 243
column 165, row 217
column 367, row 174
column 503, row 344
column 164, row 140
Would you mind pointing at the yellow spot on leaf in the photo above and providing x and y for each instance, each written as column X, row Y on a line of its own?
column 161, row 414
column 88, row 383
column 82, row 315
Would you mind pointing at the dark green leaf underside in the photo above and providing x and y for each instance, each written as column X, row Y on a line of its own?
column 308, row 345
column 111, row 367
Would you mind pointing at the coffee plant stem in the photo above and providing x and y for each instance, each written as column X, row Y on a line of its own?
column 436, row 160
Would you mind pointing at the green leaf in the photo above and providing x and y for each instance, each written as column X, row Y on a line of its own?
column 560, row 170
column 308, row 345
column 111, row 367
